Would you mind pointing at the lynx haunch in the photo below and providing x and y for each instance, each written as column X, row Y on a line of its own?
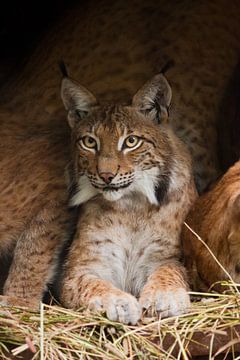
column 215, row 218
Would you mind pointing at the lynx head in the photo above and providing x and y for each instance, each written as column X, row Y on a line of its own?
column 119, row 149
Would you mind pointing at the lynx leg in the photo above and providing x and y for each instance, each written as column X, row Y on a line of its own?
column 101, row 296
column 35, row 257
column 166, row 291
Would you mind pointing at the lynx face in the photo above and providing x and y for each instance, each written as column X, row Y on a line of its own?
column 119, row 150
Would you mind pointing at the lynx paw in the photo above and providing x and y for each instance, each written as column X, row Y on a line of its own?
column 170, row 302
column 13, row 301
column 119, row 306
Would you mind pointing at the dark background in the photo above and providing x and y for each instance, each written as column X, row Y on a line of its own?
column 22, row 24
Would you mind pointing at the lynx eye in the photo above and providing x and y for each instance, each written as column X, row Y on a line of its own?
column 88, row 142
column 132, row 141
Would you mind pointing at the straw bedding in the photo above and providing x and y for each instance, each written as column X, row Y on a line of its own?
column 211, row 327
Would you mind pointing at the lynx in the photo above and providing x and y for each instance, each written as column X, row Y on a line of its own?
column 113, row 47
column 215, row 218
column 133, row 182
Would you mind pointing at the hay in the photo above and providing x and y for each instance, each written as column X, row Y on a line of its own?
column 212, row 326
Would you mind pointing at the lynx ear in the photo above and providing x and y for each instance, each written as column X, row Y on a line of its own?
column 76, row 99
column 153, row 98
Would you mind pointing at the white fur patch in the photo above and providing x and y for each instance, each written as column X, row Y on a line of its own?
column 121, row 140
column 145, row 183
column 113, row 195
column 86, row 192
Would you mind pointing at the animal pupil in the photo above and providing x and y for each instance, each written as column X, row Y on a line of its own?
column 131, row 139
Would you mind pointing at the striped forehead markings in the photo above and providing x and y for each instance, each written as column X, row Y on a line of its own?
column 121, row 140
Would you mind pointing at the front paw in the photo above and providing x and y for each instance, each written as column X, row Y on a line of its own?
column 13, row 301
column 118, row 306
column 167, row 302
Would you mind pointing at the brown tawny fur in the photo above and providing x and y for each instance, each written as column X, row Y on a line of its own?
column 114, row 47
column 34, row 217
column 215, row 217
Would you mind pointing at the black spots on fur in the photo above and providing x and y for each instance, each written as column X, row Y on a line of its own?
column 162, row 187
column 237, row 267
column 73, row 189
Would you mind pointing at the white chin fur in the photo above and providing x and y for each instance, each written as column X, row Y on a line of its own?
column 85, row 193
column 113, row 195
column 144, row 183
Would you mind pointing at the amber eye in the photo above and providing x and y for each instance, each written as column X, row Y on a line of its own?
column 131, row 141
column 88, row 142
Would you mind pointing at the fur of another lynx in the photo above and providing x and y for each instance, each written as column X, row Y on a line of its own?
column 215, row 217
column 133, row 182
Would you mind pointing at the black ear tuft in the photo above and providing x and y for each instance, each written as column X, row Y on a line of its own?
column 63, row 68
column 167, row 66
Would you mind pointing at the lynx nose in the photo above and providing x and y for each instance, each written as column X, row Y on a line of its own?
column 107, row 177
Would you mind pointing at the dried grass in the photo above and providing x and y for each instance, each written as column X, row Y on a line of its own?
column 58, row 333
column 211, row 327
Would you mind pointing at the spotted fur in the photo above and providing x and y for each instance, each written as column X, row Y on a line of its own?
column 215, row 218
column 135, row 187
column 113, row 47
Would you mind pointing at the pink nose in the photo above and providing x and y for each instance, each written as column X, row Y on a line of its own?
column 107, row 177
